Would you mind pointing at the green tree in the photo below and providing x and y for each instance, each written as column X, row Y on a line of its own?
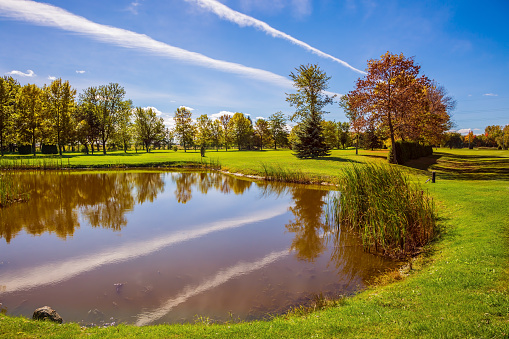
column 277, row 128
column 29, row 114
column 242, row 129
column 110, row 99
column 86, row 117
column 216, row 133
column 311, row 83
column 357, row 121
column 8, row 91
column 262, row 131
column 125, row 129
column 225, row 122
column 184, row 126
column 148, row 126
column 204, row 126
column 342, row 133
column 60, row 99
column 329, row 133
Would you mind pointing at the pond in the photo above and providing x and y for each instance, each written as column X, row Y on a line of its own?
column 155, row 247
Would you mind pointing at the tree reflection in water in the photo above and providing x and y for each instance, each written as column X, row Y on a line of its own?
column 55, row 198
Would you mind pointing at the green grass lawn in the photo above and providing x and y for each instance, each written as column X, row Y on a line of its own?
column 457, row 288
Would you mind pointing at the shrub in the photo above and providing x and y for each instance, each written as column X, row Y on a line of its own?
column 392, row 216
column 25, row 149
column 49, row 149
column 409, row 150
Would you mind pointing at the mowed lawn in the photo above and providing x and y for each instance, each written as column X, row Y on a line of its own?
column 458, row 286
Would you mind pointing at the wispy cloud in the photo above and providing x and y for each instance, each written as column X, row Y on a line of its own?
column 28, row 74
column 222, row 277
column 133, row 7
column 52, row 16
column 244, row 20
column 188, row 108
column 490, row 95
column 67, row 268
column 80, row 72
column 52, row 78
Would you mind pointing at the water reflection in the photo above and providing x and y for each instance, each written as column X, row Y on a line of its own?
column 252, row 248
column 203, row 182
column 55, row 197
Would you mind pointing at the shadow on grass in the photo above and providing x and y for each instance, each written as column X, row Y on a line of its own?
column 464, row 167
column 338, row 159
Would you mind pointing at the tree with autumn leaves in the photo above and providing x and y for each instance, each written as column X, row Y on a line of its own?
column 399, row 103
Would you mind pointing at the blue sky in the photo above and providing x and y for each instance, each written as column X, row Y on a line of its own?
column 236, row 55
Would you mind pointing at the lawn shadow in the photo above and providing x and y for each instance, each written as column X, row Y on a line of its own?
column 338, row 159
column 464, row 167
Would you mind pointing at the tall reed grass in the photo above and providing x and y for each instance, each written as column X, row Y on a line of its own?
column 33, row 163
column 278, row 173
column 9, row 191
column 393, row 216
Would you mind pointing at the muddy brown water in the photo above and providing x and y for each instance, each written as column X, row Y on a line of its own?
column 170, row 247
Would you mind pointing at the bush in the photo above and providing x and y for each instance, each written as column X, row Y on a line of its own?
column 49, row 149
column 392, row 216
column 25, row 149
column 409, row 150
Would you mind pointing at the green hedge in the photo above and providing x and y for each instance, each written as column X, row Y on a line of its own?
column 25, row 149
column 49, row 149
column 409, row 150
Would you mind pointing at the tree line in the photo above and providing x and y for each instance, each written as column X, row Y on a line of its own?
column 54, row 115
column 393, row 101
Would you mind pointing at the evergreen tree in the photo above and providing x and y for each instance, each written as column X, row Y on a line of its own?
column 310, row 82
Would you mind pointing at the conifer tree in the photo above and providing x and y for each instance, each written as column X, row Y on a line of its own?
column 309, row 101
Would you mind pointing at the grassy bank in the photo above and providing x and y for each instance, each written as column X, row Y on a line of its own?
column 457, row 288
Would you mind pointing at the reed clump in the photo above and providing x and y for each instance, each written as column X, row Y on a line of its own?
column 278, row 173
column 393, row 216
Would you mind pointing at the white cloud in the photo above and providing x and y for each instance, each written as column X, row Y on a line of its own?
column 244, row 20
column 302, row 7
column 217, row 115
column 490, row 95
column 257, row 118
column 28, row 74
column 133, row 7
column 52, row 78
column 80, row 72
column 188, row 108
column 52, row 16
column 465, row 131
column 158, row 112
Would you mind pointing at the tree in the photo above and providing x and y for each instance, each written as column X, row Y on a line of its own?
column 148, row 126
column 342, row 129
column 29, row 114
column 86, row 117
column 216, row 133
column 309, row 101
column 110, row 99
column 8, row 90
column 204, row 126
column 225, row 122
column 357, row 121
column 242, row 129
column 184, row 126
column 60, row 98
column 262, row 130
column 125, row 129
column 392, row 97
column 329, row 133
column 277, row 123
